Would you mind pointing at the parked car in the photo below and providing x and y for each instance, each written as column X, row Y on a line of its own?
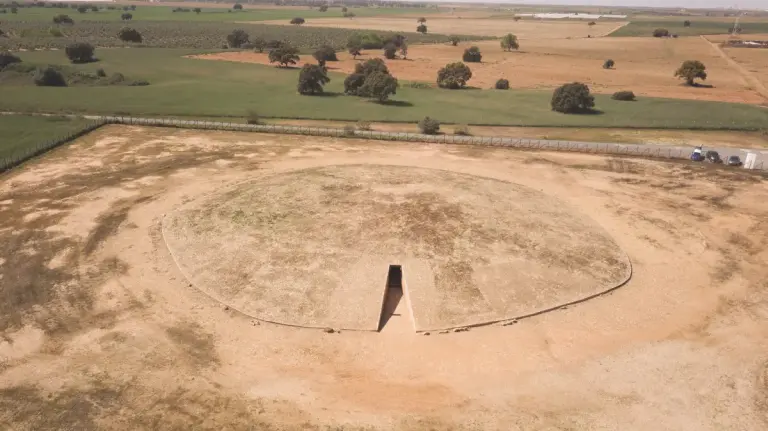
column 713, row 157
column 696, row 155
column 733, row 161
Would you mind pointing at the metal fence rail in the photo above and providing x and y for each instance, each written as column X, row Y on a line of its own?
column 639, row 150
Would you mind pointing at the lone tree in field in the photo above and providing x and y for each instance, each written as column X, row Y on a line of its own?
column 429, row 126
column 354, row 81
column 572, row 98
column 127, row 34
column 390, row 51
column 661, row 32
column 80, row 52
column 126, row 16
column 592, row 23
column 311, row 79
column 421, row 20
column 422, row 28
column 509, row 42
column 404, row 51
column 323, row 8
column 258, row 44
column 502, row 84
column 344, row 9
column 49, row 77
column 237, row 38
column 14, row 10
column 454, row 40
column 354, row 46
column 284, row 56
column 6, row 58
column 197, row 10
column 379, row 86
column 472, row 55
column 453, row 76
column 690, row 70
column 298, row 21
column 237, row 6
column 686, row 23
column 82, row 9
column 325, row 53
column 609, row 64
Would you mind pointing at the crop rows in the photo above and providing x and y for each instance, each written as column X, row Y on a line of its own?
column 200, row 35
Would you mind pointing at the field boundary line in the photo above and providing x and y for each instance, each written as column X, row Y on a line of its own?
column 757, row 85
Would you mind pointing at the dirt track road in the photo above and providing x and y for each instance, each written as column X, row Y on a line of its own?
column 748, row 77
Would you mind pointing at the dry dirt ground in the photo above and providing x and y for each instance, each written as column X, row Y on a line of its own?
column 643, row 65
column 692, row 138
column 524, row 29
column 100, row 329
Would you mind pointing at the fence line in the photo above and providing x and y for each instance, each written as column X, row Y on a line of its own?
column 640, row 150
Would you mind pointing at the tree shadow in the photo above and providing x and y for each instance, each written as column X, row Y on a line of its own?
column 400, row 103
column 700, row 85
column 327, row 94
column 591, row 111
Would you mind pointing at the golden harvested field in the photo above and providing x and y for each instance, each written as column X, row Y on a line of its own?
column 100, row 328
column 524, row 29
column 643, row 65
column 755, row 61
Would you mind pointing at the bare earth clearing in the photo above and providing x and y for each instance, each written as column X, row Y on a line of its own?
column 100, row 330
column 524, row 29
column 643, row 65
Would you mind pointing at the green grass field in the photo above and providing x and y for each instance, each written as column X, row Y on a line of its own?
column 165, row 13
column 203, row 88
column 698, row 27
column 19, row 133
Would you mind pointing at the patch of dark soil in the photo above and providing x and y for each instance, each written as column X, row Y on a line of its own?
column 197, row 345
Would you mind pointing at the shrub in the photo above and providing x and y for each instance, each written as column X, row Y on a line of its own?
column 237, row 38
column 623, row 95
column 370, row 66
column 80, row 52
column 63, row 19
column 101, row 73
column 284, row 56
column 197, row 10
column 349, row 15
column 661, row 32
column 591, row 23
column 311, row 79
column 127, row 34
column 422, row 29
column 298, row 21
column 126, row 16
column 453, row 76
column 690, row 70
column 323, row 8
column 502, row 84
column 94, row 8
column 252, row 117
column 325, row 53
column 364, row 126
column 369, row 40
column 349, row 130
column 472, row 55
column 258, row 44
column 572, row 98
column 82, row 9
column 53, row 31
column 686, row 23
column 429, row 126
column 344, row 9
column 14, row 10
column 272, row 44
column 509, row 42
column 116, row 78
column 379, row 86
column 609, row 64
column 237, row 6
column 139, row 83
column 390, row 51
column 49, row 77
column 6, row 58
column 418, row 85
column 454, row 40
column 461, row 130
